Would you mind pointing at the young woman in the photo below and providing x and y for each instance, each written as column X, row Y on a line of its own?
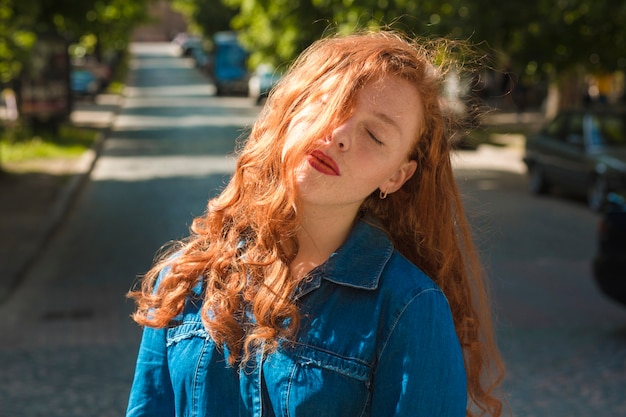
column 335, row 275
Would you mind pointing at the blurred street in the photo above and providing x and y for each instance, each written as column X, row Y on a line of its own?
column 563, row 342
column 68, row 345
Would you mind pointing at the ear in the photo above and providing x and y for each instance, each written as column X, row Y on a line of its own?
column 406, row 171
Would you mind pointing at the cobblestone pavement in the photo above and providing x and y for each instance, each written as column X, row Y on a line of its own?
column 563, row 342
column 69, row 354
column 577, row 371
column 65, row 382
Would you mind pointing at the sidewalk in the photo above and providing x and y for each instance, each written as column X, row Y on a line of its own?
column 34, row 201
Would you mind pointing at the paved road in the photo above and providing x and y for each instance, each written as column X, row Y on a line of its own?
column 563, row 342
column 67, row 345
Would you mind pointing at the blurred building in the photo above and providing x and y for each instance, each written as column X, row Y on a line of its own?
column 167, row 23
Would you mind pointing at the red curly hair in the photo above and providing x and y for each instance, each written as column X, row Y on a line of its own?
column 425, row 218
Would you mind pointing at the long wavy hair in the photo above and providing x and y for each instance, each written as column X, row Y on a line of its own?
column 258, row 211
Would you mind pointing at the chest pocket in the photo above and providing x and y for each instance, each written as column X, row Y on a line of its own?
column 309, row 381
column 184, row 331
column 188, row 351
column 188, row 339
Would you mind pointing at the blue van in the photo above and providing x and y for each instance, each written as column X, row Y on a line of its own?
column 230, row 70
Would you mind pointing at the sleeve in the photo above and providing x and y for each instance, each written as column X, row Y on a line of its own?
column 151, row 393
column 421, row 370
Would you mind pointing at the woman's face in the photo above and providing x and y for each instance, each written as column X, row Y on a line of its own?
column 368, row 151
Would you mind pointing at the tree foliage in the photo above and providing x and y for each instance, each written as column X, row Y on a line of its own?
column 557, row 36
column 537, row 38
column 15, row 40
column 108, row 22
column 540, row 37
column 278, row 30
column 206, row 17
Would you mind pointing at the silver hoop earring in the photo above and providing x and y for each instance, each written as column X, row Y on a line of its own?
column 382, row 195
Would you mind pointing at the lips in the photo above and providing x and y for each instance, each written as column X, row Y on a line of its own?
column 323, row 163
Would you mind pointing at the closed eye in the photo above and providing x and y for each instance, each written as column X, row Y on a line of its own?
column 373, row 137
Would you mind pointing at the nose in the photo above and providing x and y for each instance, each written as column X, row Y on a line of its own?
column 341, row 137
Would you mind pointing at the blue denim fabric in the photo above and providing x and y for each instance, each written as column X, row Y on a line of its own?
column 377, row 339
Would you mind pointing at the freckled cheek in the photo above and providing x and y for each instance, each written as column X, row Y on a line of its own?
column 366, row 155
column 372, row 167
column 361, row 170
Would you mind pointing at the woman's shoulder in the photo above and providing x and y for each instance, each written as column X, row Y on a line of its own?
column 394, row 272
column 405, row 280
column 167, row 267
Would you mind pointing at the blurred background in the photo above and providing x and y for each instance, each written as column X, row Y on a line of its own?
column 118, row 119
column 542, row 54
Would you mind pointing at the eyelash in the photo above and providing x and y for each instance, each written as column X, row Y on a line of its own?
column 373, row 137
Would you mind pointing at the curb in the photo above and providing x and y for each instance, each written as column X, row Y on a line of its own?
column 67, row 194
column 59, row 209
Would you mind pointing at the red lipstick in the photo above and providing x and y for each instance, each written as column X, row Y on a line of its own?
column 323, row 163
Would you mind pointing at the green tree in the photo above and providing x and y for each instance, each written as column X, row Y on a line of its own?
column 206, row 17
column 276, row 31
column 16, row 36
column 560, row 35
column 561, row 41
column 109, row 22
column 539, row 40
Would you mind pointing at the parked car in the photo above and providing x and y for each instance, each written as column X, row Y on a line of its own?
column 89, row 76
column 84, row 83
column 580, row 151
column 609, row 263
column 179, row 38
column 202, row 59
column 187, row 43
column 261, row 82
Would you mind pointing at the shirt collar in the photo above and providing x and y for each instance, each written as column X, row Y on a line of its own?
column 357, row 263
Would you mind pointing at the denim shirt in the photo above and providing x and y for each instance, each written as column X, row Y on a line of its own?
column 376, row 339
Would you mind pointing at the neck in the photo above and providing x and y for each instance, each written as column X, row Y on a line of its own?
column 321, row 233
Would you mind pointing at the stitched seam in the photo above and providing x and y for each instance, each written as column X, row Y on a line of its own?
column 294, row 366
column 395, row 323
column 196, row 383
column 187, row 335
column 331, row 353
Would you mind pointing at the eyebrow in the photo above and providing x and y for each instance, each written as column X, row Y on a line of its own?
column 385, row 118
